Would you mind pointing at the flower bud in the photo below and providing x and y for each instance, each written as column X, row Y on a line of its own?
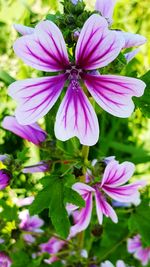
column 4, row 178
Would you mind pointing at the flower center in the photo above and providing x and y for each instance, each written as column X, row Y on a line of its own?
column 74, row 76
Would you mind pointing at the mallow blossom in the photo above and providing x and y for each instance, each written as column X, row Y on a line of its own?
column 5, row 261
column 53, row 246
column 141, row 253
column 119, row 263
column 106, row 9
column 33, row 132
column 44, row 49
column 30, row 223
column 112, row 185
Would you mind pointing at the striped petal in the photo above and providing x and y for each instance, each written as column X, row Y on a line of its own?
column 116, row 174
column 36, row 97
column 114, row 93
column 126, row 193
column 84, row 216
column 45, row 49
column 82, row 188
column 103, row 208
column 97, row 46
column 76, row 117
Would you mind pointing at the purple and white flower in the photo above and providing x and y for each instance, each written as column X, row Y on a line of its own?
column 53, row 246
column 5, row 261
column 111, row 185
column 141, row 253
column 30, row 223
column 5, row 177
column 33, row 133
column 45, row 50
column 119, row 263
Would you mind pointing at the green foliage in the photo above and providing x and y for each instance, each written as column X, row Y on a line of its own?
column 144, row 102
column 139, row 222
column 20, row 259
column 57, row 211
column 70, row 196
column 111, row 241
column 54, row 197
column 8, row 213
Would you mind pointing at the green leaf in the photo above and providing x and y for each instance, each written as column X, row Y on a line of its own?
column 41, row 201
column 6, row 78
column 139, row 222
column 22, row 156
column 20, row 259
column 52, row 197
column 73, row 197
column 57, row 210
column 144, row 102
column 9, row 213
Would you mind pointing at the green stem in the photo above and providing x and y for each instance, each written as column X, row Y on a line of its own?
column 85, row 153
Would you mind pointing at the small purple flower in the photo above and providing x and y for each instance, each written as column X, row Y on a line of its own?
column 53, row 246
column 140, row 253
column 30, row 223
column 112, row 185
column 39, row 167
column 29, row 239
column 5, row 177
column 5, row 261
column 119, row 263
column 33, row 133
column 45, row 50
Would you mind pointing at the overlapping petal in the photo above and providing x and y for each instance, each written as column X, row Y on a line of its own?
column 76, row 117
column 23, row 30
column 97, row 46
column 82, row 188
column 33, row 133
column 84, row 216
column 36, row 96
column 113, row 93
column 131, row 39
column 45, row 49
column 103, row 208
column 116, row 174
column 126, row 193
column 106, row 8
